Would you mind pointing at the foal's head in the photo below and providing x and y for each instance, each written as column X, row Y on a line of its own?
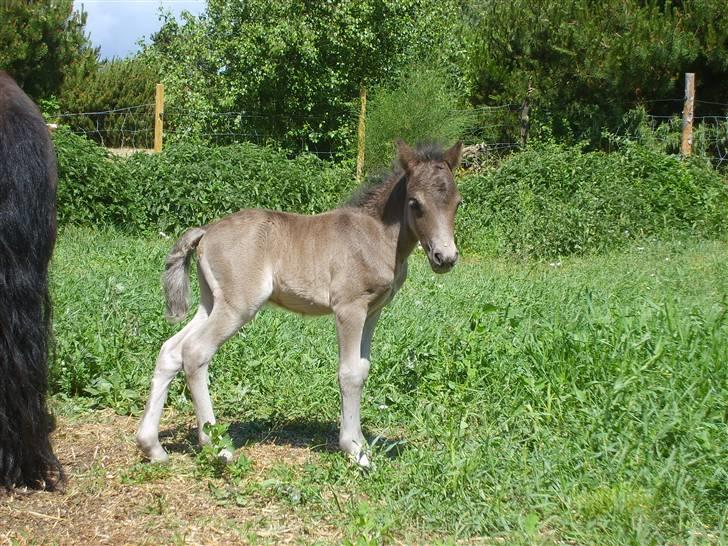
column 432, row 200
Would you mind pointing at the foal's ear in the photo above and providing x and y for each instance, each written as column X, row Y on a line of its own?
column 452, row 156
column 406, row 156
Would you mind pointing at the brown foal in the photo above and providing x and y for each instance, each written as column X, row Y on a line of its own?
column 349, row 261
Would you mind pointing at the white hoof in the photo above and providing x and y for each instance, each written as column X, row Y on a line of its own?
column 152, row 449
column 225, row 456
column 157, row 455
column 362, row 460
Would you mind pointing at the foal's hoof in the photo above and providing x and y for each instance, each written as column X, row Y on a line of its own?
column 153, row 451
column 362, row 460
column 157, row 455
column 225, row 456
column 159, row 459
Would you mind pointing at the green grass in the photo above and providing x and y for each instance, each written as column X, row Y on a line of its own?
column 582, row 400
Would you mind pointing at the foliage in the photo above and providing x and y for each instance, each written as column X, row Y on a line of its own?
column 590, row 63
column 555, row 200
column 550, row 200
column 210, row 460
column 126, row 84
column 188, row 184
column 709, row 141
column 422, row 107
column 92, row 188
column 294, row 69
column 42, row 43
column 580, row 402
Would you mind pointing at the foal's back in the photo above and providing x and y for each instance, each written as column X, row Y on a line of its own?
column 306, row 264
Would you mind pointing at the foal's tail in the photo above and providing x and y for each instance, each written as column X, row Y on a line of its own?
column 176, row 278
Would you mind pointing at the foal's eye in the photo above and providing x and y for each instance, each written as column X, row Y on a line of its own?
column 415, row 204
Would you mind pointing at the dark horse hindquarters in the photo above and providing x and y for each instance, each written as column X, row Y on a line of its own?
column 27, row 236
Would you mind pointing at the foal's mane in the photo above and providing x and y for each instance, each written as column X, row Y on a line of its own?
column 371, row 191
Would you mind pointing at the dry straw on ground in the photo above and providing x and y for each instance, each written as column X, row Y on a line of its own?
column 100, row 507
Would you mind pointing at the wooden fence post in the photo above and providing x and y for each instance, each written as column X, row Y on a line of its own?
column 686, row 144
column 361, row 134
column 525, row 120
column 158, row 117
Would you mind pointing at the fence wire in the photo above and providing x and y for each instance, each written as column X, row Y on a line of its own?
column 129, row 127
column 487, row 130
column 710, row 136
column 495, row 127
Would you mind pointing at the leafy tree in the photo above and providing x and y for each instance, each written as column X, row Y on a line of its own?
column 42, row 42
column 590, row 62
column 126, row 85
column 296, row 65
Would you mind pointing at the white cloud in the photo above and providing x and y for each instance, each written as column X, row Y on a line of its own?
column 117, row 25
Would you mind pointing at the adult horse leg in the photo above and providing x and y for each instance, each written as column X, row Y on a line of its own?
column 169, row 362
column 354, row 332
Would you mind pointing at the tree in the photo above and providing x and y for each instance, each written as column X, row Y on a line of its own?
column 126, row 85
column 295, row 67
column 590, row 62
column 42, row 42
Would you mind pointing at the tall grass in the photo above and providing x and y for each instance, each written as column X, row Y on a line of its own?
column 581, row 400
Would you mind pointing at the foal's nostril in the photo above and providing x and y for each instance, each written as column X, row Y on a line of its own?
column 438, row 258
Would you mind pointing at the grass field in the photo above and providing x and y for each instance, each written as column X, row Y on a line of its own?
column 581, row 401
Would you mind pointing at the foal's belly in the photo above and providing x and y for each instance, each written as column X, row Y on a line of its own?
column 299, row 303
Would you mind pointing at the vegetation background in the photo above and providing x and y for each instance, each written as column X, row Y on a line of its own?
column 575, row 391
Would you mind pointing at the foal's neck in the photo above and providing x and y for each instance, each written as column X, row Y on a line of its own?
column 389, row 208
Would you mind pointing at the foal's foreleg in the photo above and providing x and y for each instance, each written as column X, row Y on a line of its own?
column 354, row 332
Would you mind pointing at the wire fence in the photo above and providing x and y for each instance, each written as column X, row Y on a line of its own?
column 710, row 133
column 132, row 128
column 490, row 131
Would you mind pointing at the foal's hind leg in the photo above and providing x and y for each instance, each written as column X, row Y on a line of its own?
column 198, row 348
column 201, row 344
column 169, row 362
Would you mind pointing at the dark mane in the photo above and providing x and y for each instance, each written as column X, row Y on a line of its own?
column 372, row 187
column 27, row 234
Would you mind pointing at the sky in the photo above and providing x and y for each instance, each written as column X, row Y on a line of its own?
column 117, row 25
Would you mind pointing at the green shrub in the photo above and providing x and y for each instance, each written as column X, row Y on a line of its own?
column 92, row 188
column 188, row 184
column 422, row 107
column 554, row 200
column 549, row 200
column 193, row 184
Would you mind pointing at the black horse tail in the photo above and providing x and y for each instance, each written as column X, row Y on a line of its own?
column 27, row 236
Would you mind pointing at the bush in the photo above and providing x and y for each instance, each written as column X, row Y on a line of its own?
column 92, row 188
column 550, row 200
column 554, row 200
column 423, row 107
column 188, row 184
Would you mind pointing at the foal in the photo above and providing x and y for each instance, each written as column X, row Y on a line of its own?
column 349, row 261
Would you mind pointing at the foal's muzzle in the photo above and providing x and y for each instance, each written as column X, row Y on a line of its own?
column 442, row 257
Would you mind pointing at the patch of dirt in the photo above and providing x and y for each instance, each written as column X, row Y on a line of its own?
column 102, row 505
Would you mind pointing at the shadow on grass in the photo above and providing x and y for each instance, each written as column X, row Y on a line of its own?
column 319, row 436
